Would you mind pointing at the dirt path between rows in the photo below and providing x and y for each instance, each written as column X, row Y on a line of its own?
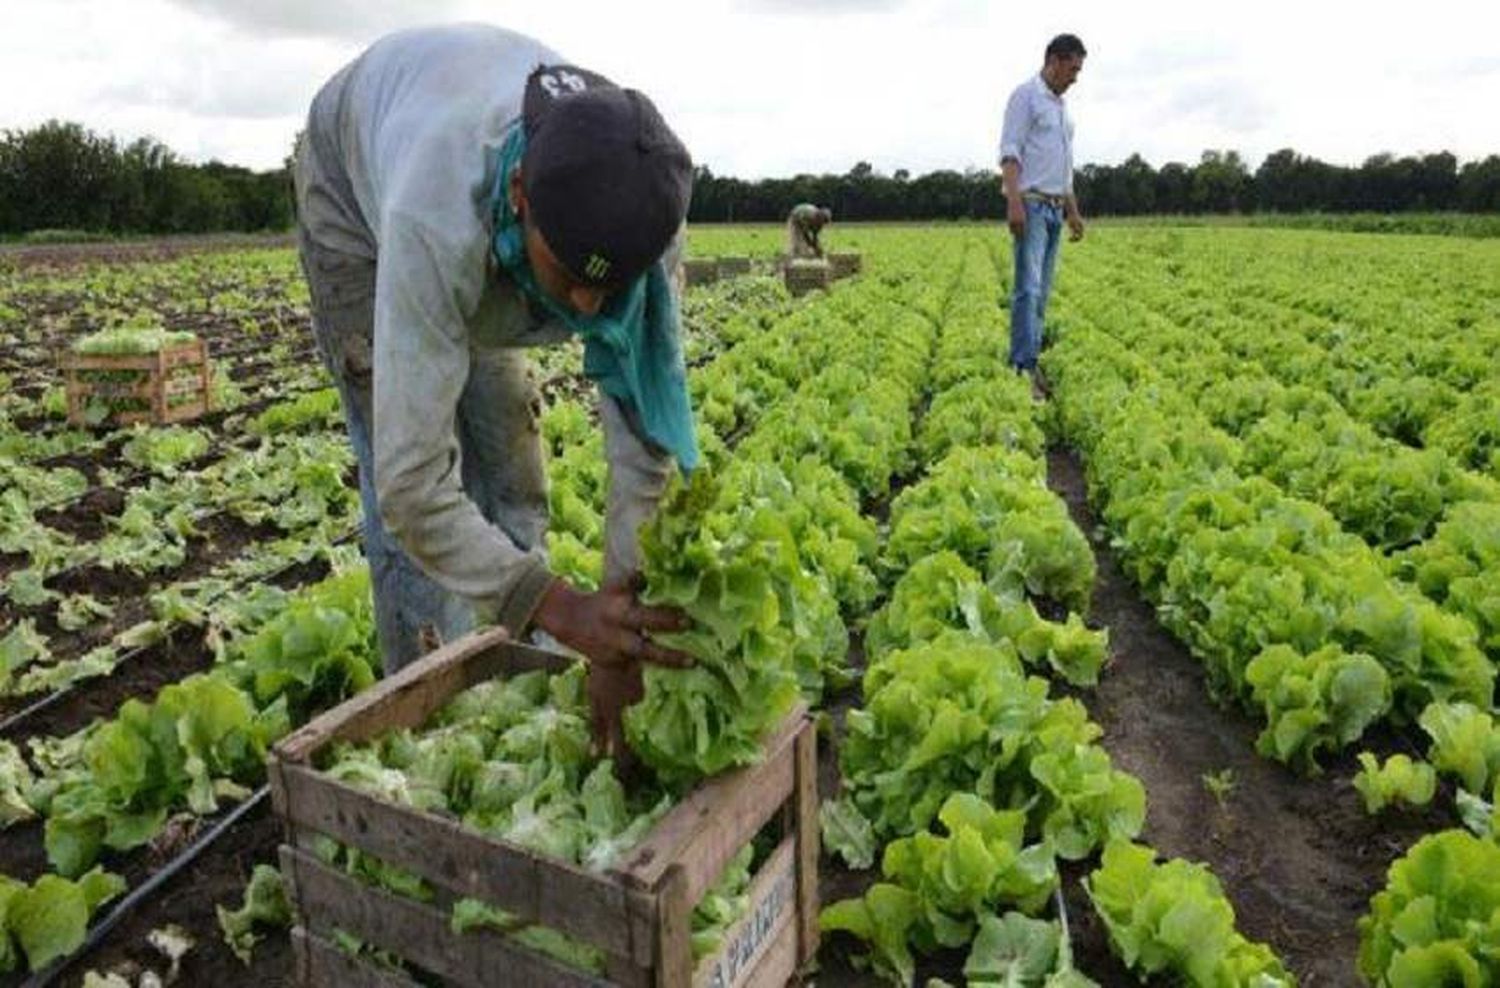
column 1298, row 857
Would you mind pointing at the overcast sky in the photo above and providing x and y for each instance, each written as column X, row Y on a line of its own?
column 775, row 87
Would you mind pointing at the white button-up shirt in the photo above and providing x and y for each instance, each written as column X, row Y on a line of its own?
column 1038, row 134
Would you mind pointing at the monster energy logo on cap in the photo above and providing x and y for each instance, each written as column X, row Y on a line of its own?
column 607, row 183
column 595, row 267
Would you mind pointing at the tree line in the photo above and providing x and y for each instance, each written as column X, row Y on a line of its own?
column 1220, row 182
column 63, row 176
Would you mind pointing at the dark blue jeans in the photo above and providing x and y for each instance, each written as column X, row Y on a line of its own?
column 1036, row 259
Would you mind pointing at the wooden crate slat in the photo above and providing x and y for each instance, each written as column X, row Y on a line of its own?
column 419, row 933
column 807, row 836
column 118, row 389
column 773, row 906
column 707, row 828
column 322, row 965
column 404, row 700
column 804, row 277
column 183, row 386
column 674, row 942
column 110, row 362
column 463, row 861
column 182, row 354
column 779, row 965
column 187, row 411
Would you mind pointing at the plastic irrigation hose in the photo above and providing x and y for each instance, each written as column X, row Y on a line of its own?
column 140, row 893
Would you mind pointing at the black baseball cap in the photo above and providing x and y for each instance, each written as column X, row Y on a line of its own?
column 606, row 180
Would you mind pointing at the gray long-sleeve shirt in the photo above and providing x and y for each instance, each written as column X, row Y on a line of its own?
column 398, row 164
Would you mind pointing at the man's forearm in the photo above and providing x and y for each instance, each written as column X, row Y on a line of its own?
column 1070, row 206
column 638, row 477
column 1010, row 178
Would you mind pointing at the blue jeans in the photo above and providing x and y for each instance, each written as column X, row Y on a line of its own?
column 501, row 466
column 1036, row 259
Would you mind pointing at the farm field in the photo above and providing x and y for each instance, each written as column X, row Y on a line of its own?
column 1253, row 533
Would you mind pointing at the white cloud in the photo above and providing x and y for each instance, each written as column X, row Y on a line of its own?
column 818, row 8
column 341, row 20
column 775, row 87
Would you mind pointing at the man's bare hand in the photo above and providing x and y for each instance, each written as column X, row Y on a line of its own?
column 611, row 689
column 1015, row 216
column 1075, row 227
column 610, row 626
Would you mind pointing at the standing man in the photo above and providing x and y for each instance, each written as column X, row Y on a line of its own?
column 803, row 225
column 464, row 193
column 1036, row 175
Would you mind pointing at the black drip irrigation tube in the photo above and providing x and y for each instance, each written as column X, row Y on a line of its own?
column 141, row 892
column 51, row 700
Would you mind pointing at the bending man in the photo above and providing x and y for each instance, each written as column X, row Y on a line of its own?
column 463, row 193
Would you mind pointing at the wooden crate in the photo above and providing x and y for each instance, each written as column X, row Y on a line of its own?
column 701, row 270
column 638, row 913
column 158, row 379
column 845, row 263
column 734, row 267
column 803, row 276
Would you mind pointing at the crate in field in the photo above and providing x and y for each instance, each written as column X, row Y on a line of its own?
column 734, row 266
column 170, row 384
column 701, row 270
column 806, row 274
column 638, row 913
column 845, row 263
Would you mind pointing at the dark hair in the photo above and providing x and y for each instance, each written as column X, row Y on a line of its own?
column 1066, row 46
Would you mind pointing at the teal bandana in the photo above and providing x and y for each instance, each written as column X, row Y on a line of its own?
column 631, row 347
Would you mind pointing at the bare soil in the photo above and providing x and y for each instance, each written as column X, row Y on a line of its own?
column 1298, row 857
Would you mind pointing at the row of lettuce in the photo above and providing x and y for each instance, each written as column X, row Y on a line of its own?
column 1401, row 334
column 1254, row 514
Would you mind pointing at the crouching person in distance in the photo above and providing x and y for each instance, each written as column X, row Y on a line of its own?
column 803, row 225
